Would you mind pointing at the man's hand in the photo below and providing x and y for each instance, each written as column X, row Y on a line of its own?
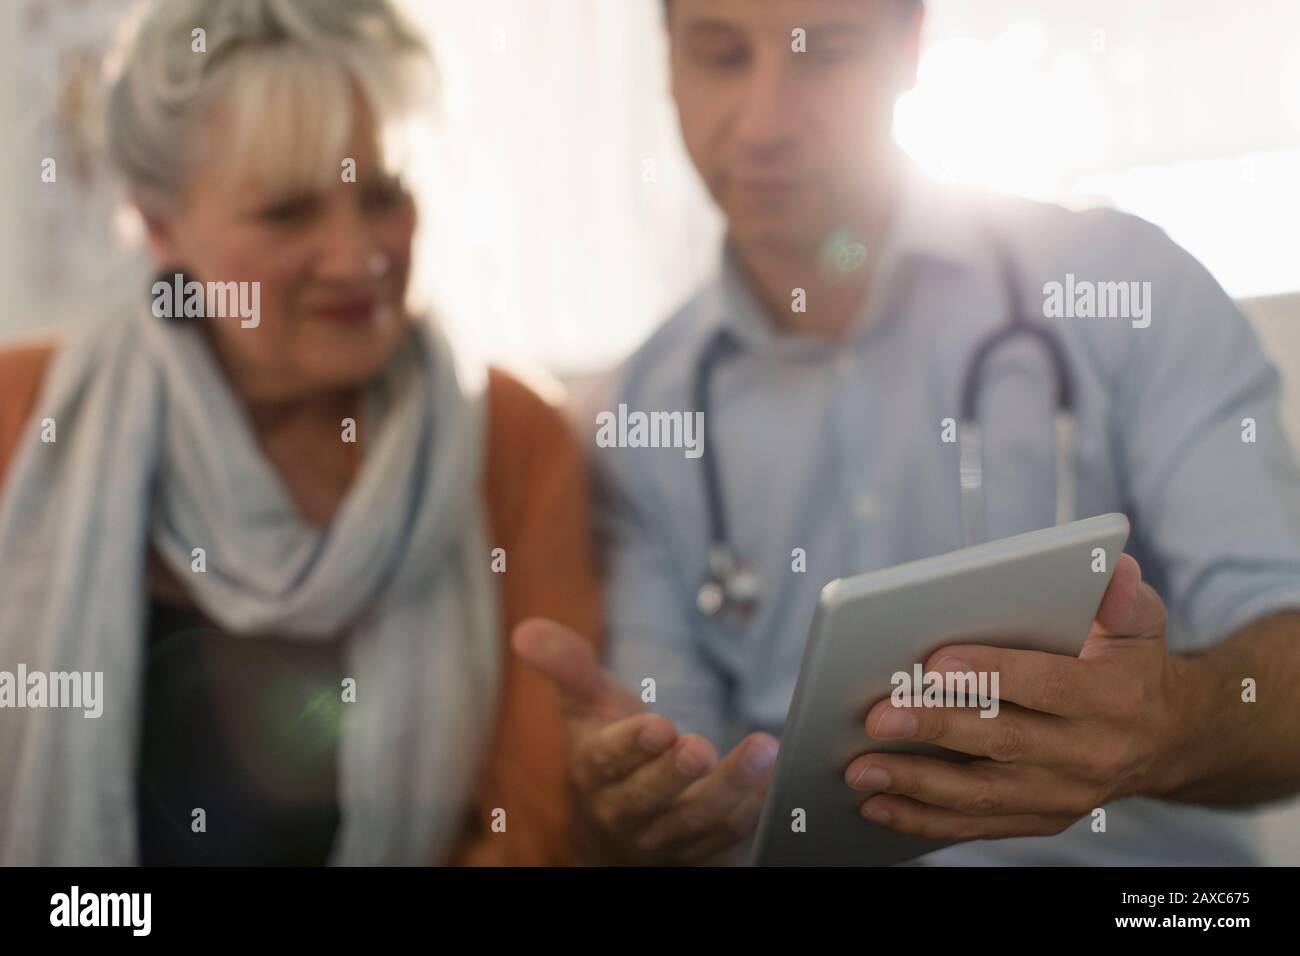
column 1070, row 735
column 645, row 793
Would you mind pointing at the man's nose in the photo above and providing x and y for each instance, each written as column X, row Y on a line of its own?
column 769, row 114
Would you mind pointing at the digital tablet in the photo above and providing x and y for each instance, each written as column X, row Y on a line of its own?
column 1036, row 591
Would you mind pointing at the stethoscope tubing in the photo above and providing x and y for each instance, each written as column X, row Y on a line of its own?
column 729, row 582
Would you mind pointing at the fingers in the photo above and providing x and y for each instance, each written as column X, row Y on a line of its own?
column 978, row 789
column 571, row 664
column 908, row 816
column 562, row 655
column 610, row 752
column 627, row 806
column 1048, row 683
column 1065, row 686
column 744, row 819
column 730, row 832
column 1015, row 734
column 722, row 808
column 633, row 769
column 630, row 766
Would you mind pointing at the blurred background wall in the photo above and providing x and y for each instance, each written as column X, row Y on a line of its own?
column 561, row 220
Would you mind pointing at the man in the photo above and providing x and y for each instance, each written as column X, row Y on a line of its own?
column 849, row 303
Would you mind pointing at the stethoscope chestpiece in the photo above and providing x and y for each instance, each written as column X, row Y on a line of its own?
column 729, row 583
column 711, row 597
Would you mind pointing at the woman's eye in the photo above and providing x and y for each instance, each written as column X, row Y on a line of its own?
column 289, row 211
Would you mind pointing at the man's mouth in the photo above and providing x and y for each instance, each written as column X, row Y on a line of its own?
column 766, row 188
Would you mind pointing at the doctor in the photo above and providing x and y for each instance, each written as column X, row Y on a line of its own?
column 855, row 419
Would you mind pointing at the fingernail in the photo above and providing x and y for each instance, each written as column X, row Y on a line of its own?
column 690, row 763
column 758, row 758
column 654, row 738
column 953, row 665
column 876, row 814
column 896, row 723
column 871, row 777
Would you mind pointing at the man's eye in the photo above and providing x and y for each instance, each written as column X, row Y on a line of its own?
column 731, row 59
column 387, row 196
column 731, row 56
column 827, row 55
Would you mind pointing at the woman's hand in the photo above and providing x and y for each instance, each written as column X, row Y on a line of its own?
column 646, row 794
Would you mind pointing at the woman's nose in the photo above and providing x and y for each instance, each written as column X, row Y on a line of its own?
column 349, row 253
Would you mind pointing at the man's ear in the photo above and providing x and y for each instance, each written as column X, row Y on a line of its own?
column 910, row 48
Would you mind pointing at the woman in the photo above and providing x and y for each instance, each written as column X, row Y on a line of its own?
column 274, row 533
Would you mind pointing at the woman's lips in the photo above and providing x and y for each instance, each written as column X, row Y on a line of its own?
column 352, row 312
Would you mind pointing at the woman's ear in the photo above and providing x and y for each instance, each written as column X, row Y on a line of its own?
column 160, row 232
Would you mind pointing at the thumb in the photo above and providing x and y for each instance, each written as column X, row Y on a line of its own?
column 569, row 661
column 1129, row 608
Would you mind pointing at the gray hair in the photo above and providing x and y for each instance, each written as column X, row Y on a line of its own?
column 286, row 71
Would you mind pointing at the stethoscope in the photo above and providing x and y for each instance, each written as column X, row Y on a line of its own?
column 731, row 584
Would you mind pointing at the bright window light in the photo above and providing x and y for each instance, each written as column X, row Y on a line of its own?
column 1063, row 119
column 1239, row 215
column 966, row 120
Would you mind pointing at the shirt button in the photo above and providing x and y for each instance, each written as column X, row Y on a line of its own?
column 866, row 505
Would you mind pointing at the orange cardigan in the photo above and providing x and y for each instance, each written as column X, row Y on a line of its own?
column 535, row 493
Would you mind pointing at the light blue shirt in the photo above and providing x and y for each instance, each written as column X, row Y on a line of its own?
column 837, row 450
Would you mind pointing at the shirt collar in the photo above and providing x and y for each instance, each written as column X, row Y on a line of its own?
column 935, row 222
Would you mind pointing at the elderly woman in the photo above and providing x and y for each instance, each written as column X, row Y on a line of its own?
column 291, row 539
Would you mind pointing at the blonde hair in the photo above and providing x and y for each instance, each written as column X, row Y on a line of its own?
column 283, row 73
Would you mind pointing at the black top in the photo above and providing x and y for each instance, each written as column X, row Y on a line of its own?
column 246, row 729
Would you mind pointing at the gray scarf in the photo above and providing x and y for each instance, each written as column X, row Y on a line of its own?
column 152, row 448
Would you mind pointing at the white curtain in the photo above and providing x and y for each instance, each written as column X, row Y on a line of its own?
column 562, row 220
